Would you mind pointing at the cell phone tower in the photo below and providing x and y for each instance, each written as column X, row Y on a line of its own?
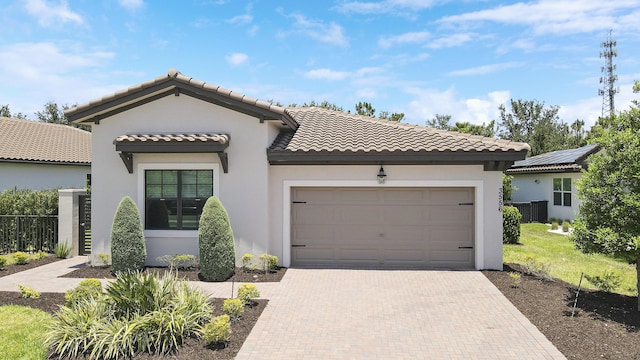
column 608, row 78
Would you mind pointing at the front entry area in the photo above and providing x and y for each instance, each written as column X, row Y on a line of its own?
column 417, row 227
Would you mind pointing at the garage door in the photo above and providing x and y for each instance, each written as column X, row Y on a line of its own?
column 425, row 227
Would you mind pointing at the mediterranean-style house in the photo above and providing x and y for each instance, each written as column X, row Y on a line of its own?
column 552, row 177
column 313, row 186
column 36, row 155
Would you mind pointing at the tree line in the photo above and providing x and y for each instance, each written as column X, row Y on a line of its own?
column 524, row 121
column 51, row 113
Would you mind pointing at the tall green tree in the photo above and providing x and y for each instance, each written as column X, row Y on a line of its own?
column 53, row 113
column 488, row 130
column 531, row 122
column 398, row 117
column 440, row 121
column 6, row 112
column 365, row 109
column 610, row 193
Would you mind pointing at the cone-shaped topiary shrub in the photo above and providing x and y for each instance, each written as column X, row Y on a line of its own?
column 128, row 250
column 215, row 239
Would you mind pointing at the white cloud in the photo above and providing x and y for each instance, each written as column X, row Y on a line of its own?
column 427, row 103
column 51, row 14
column 451, row 40
column 401, row 7
column 590, row 109
column 243, row 19
column 237, row 59
column 557, row 16
column 485, row 69
column 41, row 72
column 131, row 4
column 330, row 33
column 406, row 38
column 326, row 74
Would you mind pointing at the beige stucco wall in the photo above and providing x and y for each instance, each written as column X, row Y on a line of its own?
column 530, row 190
column 488, row 242
column 243, row 190
column 42, row 176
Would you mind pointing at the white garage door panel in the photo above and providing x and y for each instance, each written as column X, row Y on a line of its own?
column 392, row 226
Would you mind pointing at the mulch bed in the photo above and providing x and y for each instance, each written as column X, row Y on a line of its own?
column 12, row 269
column 605, row 326
column 191, row 349
column 241, row 275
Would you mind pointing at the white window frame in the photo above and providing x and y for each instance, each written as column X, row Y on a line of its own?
column 173, row 166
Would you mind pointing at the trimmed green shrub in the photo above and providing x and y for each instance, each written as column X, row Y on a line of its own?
column 28, row 292
column 29, row 202
column 269, row 262
column 248, row 292
column 233, row 307
column 217, row 330
column 87, row 288
column 247, row 259
column 510, row 225
column 554, row 225
column 40, row 255
column 180, row 262
column 138, row 313
column 215, row 240
column 565, row 226
column 128, row 250
column 20, row 257
column 3, row 262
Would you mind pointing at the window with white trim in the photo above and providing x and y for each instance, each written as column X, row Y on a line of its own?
column 174, row 198
column 562, row 191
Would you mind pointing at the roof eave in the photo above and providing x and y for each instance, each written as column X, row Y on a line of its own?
column 492, row 161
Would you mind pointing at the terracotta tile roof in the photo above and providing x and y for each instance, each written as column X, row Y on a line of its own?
column 323, row 130
column 173, row 138
column 32, row 141
column 174, row 79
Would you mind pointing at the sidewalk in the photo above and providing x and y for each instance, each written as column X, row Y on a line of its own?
column 46, row 278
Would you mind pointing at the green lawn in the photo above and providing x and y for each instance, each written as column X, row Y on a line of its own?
column 22, row 332
column 565, row 262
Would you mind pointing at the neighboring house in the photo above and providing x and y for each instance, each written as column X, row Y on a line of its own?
column 36, row 155
column 552, row 177
column 310, row 185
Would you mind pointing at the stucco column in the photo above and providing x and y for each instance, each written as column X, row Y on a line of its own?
column 68, row 218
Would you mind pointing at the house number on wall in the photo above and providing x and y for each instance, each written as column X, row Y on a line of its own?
column 500, row 199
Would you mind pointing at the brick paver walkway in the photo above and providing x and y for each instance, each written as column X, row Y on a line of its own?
column 365, row 314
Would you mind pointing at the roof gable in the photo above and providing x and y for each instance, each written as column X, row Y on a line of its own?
column 173, row 84
column 570, row 160
column 38, row 142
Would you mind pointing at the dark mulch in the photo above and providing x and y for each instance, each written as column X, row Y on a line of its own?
column 241, row 275
column 12, row 269
column 605, row 326
column 191, row 349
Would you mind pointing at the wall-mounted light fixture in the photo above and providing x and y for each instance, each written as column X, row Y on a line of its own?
column 536, row 181
column 382, row 176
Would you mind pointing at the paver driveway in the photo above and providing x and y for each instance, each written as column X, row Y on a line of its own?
column 392, row 314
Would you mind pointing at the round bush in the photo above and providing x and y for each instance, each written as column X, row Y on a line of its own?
column 128, row 250
column 215, row 240
column 510, row 225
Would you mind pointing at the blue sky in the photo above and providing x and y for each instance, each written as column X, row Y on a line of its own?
column 419, row 57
